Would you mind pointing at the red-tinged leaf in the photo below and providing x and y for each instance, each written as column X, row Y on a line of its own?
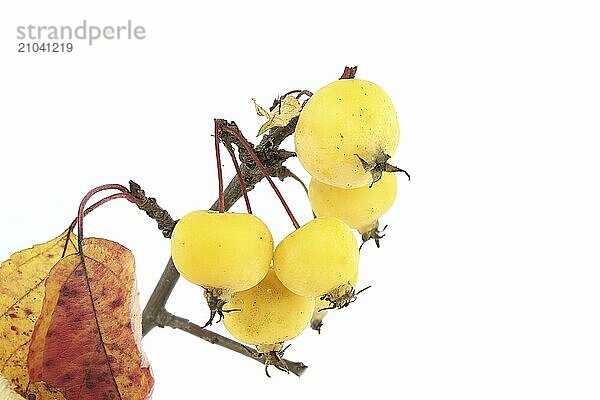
column 86, row 342
column 22, row 279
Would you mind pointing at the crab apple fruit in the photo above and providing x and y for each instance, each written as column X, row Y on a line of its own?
column 360, row 208
column 346, row 133
column 268, row 314
column 225, row 251
column 317, row 258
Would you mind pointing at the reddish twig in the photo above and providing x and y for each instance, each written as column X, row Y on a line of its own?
column 89, row 210
column 236, row 132
column 219, row 171
column 81, row 212
column 238, row 172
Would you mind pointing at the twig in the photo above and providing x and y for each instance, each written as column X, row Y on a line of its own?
column 148, row 204
column 233, row 130
column 175, row 322
column 238, row 173
column 81, row 212
column 219, row 169
column 120, row 195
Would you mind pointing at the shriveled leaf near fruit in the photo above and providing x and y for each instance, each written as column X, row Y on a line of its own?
column 288, row 108
column 22, row 289
column 86, row 342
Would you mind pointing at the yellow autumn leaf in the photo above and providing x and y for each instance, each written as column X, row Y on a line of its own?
column 43, row 391
column 281, row 115
column 22, row 289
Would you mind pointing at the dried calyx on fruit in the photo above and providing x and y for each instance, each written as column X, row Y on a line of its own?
column 323, row 305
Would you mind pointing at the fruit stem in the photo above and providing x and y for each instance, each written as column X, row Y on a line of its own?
column 81, row 213
column 219, row 171
column 235, row 131
column 238, row 172
column 298, row 93
column 89, row 210
column 96, row 205
column 349, row 73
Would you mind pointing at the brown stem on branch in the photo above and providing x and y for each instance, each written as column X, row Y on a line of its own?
column 298, row 94
column 238, row 173
column 349, row 73
column 175, row 322
column 219, row 170
column 149, row 205
column 234, row 130
column 290, row 174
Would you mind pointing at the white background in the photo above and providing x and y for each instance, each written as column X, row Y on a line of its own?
column 487, row 285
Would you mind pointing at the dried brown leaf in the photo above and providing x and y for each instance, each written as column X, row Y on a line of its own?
column 86, row 342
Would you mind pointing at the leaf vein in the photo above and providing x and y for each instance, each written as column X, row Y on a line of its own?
column 87, row 284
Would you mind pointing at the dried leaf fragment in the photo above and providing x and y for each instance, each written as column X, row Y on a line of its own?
column 22, row 279
column 6, row 391
column 288, row 108
column 86, row 342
